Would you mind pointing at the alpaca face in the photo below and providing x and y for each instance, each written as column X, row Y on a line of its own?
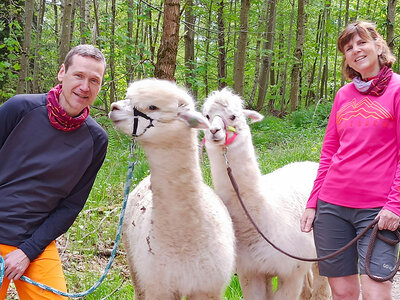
column 156, row 109
column 225, row 112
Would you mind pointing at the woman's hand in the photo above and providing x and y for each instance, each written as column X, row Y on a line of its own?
column 388, row 220
column 307, row 219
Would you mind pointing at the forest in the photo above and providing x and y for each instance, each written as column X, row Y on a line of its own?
column 280, row 55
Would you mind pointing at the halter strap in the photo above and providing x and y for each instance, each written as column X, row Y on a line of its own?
column 136, row 114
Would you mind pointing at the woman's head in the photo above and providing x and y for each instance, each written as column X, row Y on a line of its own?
column 367, row 32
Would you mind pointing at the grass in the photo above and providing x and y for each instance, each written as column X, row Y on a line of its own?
column 85, row 248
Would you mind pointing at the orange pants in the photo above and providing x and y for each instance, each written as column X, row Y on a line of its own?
column 46, row 269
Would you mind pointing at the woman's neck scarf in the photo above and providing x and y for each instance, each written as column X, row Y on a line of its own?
column 376, row 85
column 58, row 117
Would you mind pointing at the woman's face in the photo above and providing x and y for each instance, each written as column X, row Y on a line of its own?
column 362, row 56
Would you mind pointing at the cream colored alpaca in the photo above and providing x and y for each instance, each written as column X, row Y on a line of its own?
column 275, row 201
column 177, row 233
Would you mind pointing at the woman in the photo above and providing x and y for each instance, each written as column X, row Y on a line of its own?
column 359, row 174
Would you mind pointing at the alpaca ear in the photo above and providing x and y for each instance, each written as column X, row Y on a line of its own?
column 194, row 119
column 253, row 115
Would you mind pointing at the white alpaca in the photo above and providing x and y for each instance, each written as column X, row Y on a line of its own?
column 177, row 232
column 276, row 202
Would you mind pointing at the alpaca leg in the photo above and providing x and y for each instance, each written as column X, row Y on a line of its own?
column 320, row 286
column 289, row 288
column 210, row 295
column 306, row 291
column 157, row 293
column 138, row 291
column 255, row 286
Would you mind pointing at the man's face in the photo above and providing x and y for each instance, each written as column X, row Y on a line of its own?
column 80, row 84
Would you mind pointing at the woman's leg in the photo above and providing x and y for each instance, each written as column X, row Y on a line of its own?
column 372, row 289
column 345, row 288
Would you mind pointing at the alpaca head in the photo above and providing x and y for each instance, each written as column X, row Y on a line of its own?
column 156, row 109
column 228, row 119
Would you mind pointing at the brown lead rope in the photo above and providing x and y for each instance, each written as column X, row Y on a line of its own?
column 370, row 246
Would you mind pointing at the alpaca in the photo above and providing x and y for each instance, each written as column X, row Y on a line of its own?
column 275, row 201
column 177, row 232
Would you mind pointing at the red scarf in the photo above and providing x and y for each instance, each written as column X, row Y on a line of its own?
column 58, row 117
column 374, row 86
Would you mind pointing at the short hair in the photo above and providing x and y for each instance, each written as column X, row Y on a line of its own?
column 366, row 30
column 84, row 50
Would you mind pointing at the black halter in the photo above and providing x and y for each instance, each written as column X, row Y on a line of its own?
column 136, row 115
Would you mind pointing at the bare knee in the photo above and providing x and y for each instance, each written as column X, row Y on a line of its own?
column 372, row 289
column 345, row 288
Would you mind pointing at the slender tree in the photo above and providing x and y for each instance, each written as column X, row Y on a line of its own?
column 189, row 46
column 36, row 66
column 23, row 71
column 221, row 47
column 268, row 47
column 298, row 54
column 65, row 38
column 390, row 21
column 166, row 56
column 238, row 75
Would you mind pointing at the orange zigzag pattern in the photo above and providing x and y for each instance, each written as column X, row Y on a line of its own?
column 365, row 108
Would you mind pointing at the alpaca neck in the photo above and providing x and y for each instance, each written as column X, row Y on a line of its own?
column 175, row 171
column 244, row 166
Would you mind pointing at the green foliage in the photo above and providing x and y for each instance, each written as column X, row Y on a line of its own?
column 316, row 115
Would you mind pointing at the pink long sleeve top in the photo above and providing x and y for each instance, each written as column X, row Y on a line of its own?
column 359, row 165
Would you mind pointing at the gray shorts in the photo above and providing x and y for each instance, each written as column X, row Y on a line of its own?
column 335, row 226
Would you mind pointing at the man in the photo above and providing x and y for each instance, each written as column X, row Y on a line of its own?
column 50, row 153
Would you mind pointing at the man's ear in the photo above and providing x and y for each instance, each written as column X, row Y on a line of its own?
column 61, row 73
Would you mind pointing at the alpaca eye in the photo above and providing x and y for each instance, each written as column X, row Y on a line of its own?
column 153, row 107
column 233, row 117
column 208, row 117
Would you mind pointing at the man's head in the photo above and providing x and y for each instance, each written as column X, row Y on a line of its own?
column 85, row 51
column 81, row 76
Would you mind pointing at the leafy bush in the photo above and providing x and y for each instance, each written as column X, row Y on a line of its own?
column 315, row 115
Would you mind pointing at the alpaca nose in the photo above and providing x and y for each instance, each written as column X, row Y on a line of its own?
column 214, row 130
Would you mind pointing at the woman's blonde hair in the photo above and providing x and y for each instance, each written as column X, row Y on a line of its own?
column 366, row 30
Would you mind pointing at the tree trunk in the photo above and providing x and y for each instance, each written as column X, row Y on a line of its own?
column 36, row 67
column 82, row 23
column 112, row 55
column 65, row 31
column 166, row 56
column 207, row 51
column 284, row 73
column 189, row 47
column 261, row 22
column 268, row 47
column 336, row 48
column 238, row 75
column 298, row 54
column 96, row 29
column 22, row 74
column 128, row 62
column 390, row 21
column 221, row 47
column 56, row 34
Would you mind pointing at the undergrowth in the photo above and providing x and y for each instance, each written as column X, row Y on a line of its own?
column 85, row 248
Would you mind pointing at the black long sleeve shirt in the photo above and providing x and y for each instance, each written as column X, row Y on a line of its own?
column 45, row 174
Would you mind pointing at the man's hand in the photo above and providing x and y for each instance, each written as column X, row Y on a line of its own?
column 307, row 219
column 16, row 262
column 388, row 220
